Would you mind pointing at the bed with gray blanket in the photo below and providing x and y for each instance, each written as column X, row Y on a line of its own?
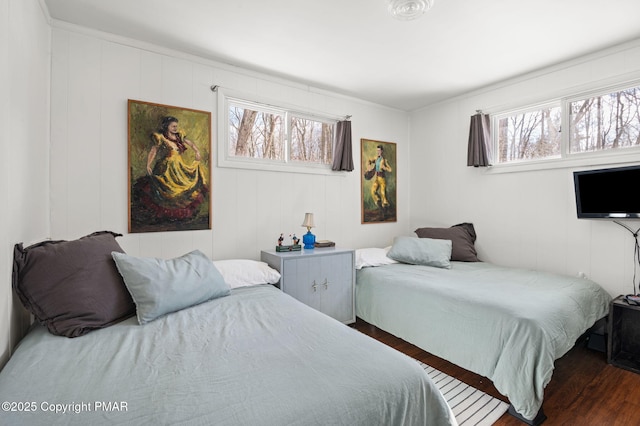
column 507, row 324
column 127, row 340
column 254, row 357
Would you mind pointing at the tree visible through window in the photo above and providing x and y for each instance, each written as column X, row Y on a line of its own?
column 311, row 141
column 256, row 134
column 267, row 133
column 529, row 135
column 606, row 122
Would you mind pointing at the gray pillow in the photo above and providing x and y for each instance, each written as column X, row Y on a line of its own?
column 72, row 287
column 462, row 236
column 159, row 286
column 421, row 251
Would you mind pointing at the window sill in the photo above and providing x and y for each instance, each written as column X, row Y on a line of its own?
column 576, row 161
column 279, row 167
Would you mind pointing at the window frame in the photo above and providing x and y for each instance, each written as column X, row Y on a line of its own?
column 226, row 98
column 591, row 94
column 262, row 109
column 566, row 159
column 495, row 125
column 307, row 116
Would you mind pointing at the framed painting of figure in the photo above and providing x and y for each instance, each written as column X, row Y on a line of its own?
column 169, row 168
column 378, row 188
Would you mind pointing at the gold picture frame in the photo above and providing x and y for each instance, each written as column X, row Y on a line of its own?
column 169, row 180
column 378, row 181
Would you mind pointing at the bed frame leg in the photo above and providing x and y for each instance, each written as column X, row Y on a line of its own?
column 538, row 419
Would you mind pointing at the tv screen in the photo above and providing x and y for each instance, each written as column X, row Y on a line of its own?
column 608, row 193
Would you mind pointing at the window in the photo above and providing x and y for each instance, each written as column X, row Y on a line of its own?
column 529, row 135
column 255, row 134
column 608, row 121
column 601, row 122
column 269, row 137
column 311, row 140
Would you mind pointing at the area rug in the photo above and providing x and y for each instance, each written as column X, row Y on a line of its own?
column 471, row 406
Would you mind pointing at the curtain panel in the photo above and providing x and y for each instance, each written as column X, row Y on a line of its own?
column 343, row 155
column 479, row 153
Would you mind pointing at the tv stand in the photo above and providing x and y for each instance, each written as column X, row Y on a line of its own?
column 623, row 349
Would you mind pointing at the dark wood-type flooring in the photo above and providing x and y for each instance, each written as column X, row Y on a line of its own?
column 584, row 390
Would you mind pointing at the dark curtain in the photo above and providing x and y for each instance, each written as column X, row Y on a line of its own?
column 479, row 153
column 343, row 156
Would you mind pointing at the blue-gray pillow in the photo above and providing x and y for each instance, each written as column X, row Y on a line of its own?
column 421, row 251
column 462, row 236
column 159, row 286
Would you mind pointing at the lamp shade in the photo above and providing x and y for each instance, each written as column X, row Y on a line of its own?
column 308, row 220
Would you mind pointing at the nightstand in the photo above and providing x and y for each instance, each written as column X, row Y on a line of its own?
column 323, row 278
column 624, row 335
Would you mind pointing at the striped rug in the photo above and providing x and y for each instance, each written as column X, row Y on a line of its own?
column 470, row 406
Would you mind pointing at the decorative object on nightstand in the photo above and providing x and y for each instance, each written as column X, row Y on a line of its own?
column 324, row 243
column 291, row 247
column 308, row 239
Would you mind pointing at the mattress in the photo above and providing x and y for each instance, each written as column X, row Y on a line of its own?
column 507, row 324
column 255, row 357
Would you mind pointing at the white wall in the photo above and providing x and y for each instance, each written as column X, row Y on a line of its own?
column 93, row 75
column 70, row 179
column 524, row 219
column 24, row 118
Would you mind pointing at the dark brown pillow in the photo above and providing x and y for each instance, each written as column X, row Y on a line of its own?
column 462, row 236
column 72, row 287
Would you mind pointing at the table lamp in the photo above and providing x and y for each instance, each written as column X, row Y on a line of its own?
column 308, row 239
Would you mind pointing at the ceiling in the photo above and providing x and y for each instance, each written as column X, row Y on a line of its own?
column 356, row 48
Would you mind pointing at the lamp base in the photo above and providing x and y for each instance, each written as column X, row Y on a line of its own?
column 309, row 240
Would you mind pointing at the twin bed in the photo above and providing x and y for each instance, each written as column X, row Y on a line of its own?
column 507, row 324
column 249, row 355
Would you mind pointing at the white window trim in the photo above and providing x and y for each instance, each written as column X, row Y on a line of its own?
column 226, row 160
column 585, row 160
column 619, row 156
column 495, row 120
column 307, row 116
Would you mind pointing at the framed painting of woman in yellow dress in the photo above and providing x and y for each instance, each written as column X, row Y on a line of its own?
column 169, row 168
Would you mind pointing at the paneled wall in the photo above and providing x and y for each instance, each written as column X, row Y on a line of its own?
column 24, row 110
column 93, row 75
column 63, row 98
column 525, row 219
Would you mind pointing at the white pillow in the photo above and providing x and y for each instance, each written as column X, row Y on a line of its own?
column 373, row 257
column 245, row 272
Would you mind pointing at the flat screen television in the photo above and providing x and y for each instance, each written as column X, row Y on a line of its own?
column 608, row 193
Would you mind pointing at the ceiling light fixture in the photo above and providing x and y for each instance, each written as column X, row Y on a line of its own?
column 408, row 9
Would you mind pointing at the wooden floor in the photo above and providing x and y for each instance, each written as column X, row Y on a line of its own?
column 584, row 390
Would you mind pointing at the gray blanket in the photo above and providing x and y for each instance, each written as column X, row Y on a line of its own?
column 256, row 357
column 507, row 324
